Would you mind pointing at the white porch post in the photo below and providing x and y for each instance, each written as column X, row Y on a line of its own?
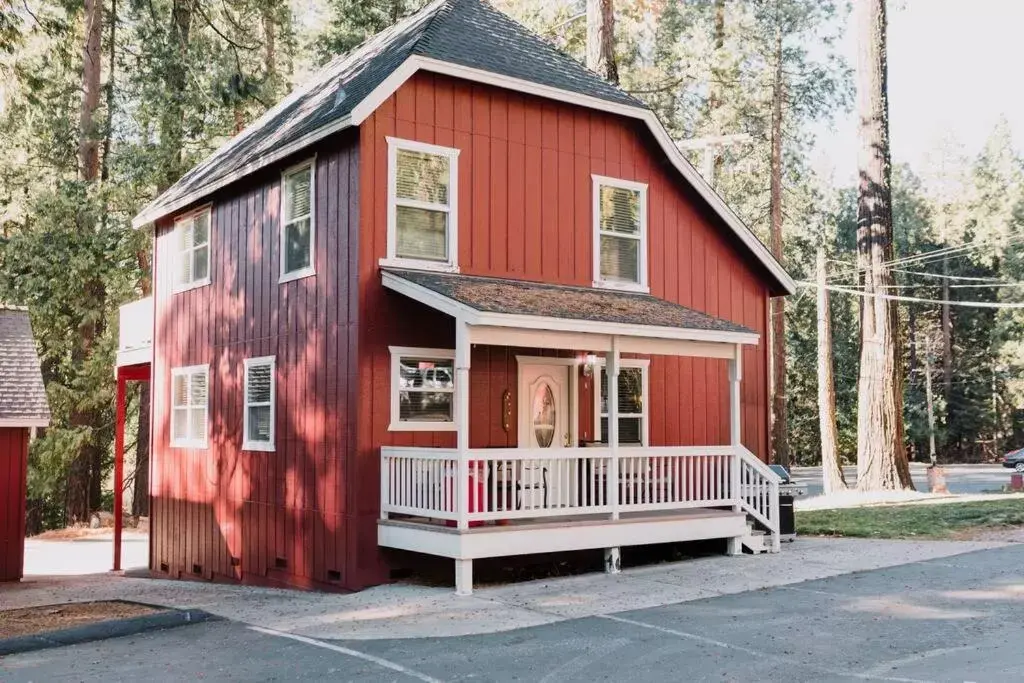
column 612, row 556
column 735, row 437
column 463, row 568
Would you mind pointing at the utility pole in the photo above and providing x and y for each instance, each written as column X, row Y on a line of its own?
column 711, row 147
column 831, row 468
column 930, row 403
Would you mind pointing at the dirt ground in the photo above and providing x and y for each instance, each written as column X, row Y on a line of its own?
column 1005, row 535
column 33, row 620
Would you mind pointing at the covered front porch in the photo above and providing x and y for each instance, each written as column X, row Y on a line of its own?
column 556, row 491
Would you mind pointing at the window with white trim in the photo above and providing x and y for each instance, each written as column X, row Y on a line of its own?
column 620, row 234
column 422, row 202
column 259, row 415
column 192, row 244
column 297, row 224
column 422, row 389
column 190, row 393
column 633, row 387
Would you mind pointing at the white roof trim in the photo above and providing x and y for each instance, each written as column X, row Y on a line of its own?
column 414, row 63
column 474, row 317
column 26, row 422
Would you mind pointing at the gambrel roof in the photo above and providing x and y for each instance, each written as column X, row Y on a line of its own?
column 22, row 395
column 466, row 39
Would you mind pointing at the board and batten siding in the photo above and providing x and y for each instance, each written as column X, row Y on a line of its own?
column 525, row 211
column 276, row 517
column 13, row 472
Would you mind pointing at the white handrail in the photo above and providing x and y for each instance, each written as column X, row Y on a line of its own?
column 758, row 493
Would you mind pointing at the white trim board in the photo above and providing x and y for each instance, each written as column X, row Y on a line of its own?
column 415, row 63
column 23, row 422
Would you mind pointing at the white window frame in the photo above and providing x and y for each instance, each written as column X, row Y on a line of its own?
column 397, row 425
column 248, row 445
column 189, row 372
column 644, row 414
column 641, row 188
column 392, row 259
column 311, row 268
column 179, row 255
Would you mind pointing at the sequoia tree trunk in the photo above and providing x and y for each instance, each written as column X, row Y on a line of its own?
column 780, row 435
column 881, row 459
column 832, row 475
column 601, row 39
column 88, row 141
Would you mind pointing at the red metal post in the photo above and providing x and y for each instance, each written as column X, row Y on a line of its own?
column 119, row 470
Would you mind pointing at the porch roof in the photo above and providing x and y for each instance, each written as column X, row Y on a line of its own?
column 497, row 302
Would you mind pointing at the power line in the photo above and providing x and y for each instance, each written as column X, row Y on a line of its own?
column 914, row 299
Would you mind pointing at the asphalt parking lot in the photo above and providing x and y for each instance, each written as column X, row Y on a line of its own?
column 951, row 619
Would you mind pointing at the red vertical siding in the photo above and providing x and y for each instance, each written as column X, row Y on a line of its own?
column 525, row 210
column 280, row 517
column 13, row 470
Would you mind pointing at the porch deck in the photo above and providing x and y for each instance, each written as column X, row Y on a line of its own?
column 507, row 502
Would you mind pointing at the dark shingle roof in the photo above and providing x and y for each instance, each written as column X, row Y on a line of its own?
column 22, row 395
column 465, row 32
column 520, row 297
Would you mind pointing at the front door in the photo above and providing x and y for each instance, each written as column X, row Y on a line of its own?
column 544, row 419
column 545, row 422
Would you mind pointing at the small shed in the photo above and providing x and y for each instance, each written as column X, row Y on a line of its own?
column 23, row 408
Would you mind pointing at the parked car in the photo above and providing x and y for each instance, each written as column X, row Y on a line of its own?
column 1015, row 460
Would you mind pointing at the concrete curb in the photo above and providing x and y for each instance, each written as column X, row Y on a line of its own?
column 102, row 630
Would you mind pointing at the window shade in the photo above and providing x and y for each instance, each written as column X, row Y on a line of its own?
column 258, row 385
column 422, row 177
column 620, row 210
column 422, row 234
column 299, row 197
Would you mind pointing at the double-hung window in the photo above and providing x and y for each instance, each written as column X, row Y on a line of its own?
column 297, row 222
column 620, row 234
column 422, row 389
column 632, row 403
column 422, row 202
column 192, row 241
column 258, row 419
column 190, row 392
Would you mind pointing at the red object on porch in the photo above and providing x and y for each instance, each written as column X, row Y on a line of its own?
column 13, row 468
column 477, row 482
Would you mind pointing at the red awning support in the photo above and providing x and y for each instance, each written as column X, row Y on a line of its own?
column 130, row 373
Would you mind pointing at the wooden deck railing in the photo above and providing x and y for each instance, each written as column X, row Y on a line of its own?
column 515, row 483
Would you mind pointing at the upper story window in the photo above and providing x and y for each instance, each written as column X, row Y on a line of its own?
column 620, row 234
column 422, row 203
column 190, row 392
column 192, row 242
column 297, row 224
column 422, row 389
column 258, row 419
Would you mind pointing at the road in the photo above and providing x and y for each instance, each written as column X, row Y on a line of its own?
column 953, row 619
column 959, row 478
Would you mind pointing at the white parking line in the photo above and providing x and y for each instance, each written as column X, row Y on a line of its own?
column 757, row 653
column 379, row 661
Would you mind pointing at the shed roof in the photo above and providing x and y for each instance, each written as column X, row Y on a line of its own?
column 635, row 313
column 22, row 394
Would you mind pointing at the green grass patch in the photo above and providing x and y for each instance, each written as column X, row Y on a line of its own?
column 912, row 521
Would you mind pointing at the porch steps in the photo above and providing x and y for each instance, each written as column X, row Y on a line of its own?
column 757, row 541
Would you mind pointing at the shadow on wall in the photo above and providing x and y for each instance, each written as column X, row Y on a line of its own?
column 271, row 518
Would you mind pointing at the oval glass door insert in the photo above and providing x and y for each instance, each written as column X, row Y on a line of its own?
column 544, row 415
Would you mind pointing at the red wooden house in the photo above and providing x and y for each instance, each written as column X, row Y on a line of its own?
column 23, row 409
column 386, row 316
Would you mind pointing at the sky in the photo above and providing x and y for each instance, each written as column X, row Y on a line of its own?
column 953, row 72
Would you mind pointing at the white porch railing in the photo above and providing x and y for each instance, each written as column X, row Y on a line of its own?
column 506, row 484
